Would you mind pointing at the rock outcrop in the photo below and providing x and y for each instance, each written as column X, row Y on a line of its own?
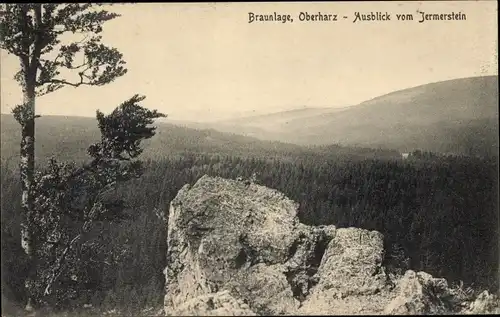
column 485, row 303
column 237, row 248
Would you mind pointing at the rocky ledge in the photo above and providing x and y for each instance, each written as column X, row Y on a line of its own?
column 238, row 248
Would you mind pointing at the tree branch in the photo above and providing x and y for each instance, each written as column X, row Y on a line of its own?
column 56, row 271
column 64, row 82
column 79, row 66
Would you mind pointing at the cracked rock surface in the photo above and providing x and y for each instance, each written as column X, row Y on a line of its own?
column 237, row 248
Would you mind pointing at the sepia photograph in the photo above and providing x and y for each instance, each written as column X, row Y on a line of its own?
column 249, row 158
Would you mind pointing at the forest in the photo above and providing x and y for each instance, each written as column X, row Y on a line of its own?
column 84, row 207
column 442, row 211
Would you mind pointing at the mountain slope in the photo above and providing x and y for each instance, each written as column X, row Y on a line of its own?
column 261, row 125
column 67, row 138
column 455, row 116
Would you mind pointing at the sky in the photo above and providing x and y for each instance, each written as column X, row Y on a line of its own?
column 205, row 61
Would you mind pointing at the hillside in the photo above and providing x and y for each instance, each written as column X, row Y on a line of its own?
column 456, row 116
column 272, row 126
column 280, row 121
column 68, row 138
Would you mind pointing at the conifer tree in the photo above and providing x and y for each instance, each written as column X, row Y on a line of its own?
column 34, row 33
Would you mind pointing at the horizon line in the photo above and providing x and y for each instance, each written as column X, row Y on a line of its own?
column 291, row 109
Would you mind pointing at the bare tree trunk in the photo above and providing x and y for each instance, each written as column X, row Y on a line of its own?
column 27, row 168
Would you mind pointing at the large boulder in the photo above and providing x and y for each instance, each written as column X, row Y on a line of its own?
column 242, row 238
column 351, row 279
column 485, row 303
column 238, row 248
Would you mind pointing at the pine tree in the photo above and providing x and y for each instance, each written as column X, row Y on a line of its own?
column 33, row 33
column 73, row 203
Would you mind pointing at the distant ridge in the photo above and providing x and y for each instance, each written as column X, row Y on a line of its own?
column 458, row 116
